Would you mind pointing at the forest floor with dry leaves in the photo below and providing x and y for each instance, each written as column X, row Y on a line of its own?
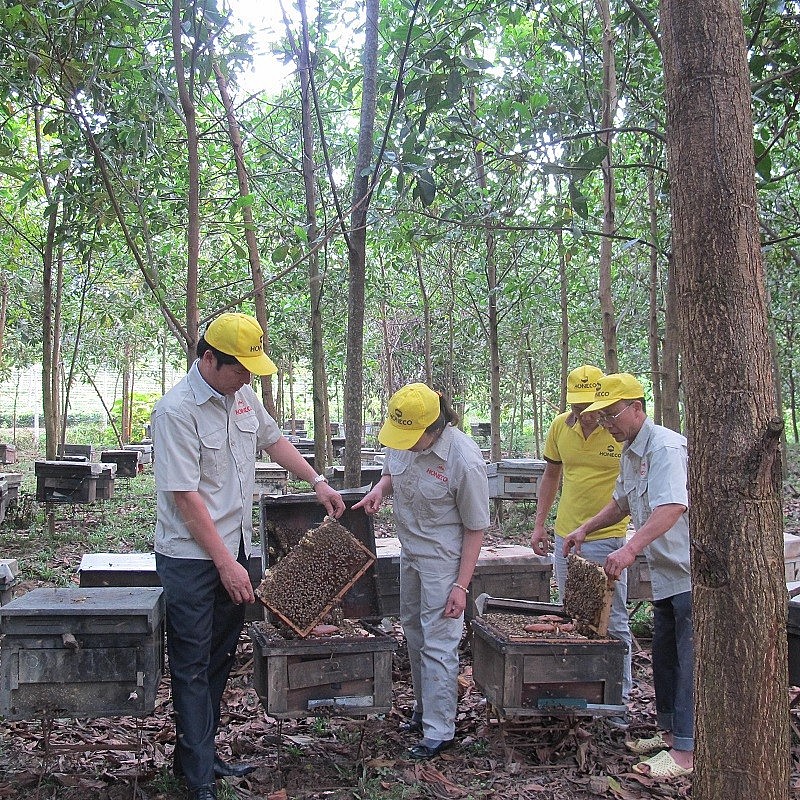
column 331, row 758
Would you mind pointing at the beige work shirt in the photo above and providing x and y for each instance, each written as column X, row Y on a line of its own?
column 207, row 442
column 439, row 493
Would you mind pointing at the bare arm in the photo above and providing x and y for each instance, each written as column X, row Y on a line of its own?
column 470, row 551
column 288, row 456
column 548, row 486
column 233, row 575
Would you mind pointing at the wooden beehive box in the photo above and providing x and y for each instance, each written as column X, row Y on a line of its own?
column 85, row 451
column 515, row 478
column 271, row 478
column 127, row 461
column 105, row 482
column 370, row 475
column 144, row 449
column 347, row 673
column 13, row 481
column 8, row 453
column 66, row 481
column 9, row 573
column 77, row 652
column 510, row 571
column 524, row 673
column 118, row 569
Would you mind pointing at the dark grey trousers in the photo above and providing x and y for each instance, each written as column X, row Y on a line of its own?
column 203, row 629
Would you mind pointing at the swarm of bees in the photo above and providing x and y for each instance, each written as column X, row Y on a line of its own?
column 526, row 627
column 587, row 596
column 310, row 580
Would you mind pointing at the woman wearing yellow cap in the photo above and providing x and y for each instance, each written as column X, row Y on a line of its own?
column 437, row 476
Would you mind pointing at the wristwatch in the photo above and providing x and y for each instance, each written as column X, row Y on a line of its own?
column 319, row 479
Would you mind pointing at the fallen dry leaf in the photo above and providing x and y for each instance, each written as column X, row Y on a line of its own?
column 428, row 774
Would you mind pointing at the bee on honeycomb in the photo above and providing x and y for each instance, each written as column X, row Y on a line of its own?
column 312, row 577
column 587, row 596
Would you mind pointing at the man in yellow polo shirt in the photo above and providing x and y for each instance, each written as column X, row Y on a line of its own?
column 584, row 458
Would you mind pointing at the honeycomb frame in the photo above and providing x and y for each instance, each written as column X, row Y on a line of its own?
column 313, row 577
column 588, row 595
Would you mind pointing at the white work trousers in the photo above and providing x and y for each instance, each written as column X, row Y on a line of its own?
column 432, row 641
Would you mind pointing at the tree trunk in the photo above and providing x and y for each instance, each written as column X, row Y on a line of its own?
column 249, row 228
column 185, row 91
column 670, row 370
column 356, row 254
column 734, row 426
column 492, row 332
column 563, row 286
column 426, row 318
column 319, row 376
column 609, row 109
column 652, row 334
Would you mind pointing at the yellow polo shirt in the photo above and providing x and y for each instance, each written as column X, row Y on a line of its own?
column 589, row 472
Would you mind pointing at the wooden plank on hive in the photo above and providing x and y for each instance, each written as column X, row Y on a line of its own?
column 314, row 576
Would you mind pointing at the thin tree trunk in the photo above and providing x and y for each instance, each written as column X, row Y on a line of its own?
column 609, row 109
column 185, row 92
column 356, row 253
column 733, row 423
column 564, row 300
column 4, row 293
column 315, row 278
column 426, row 319
column 652, row 335
column 670, row 369
column 251, row 241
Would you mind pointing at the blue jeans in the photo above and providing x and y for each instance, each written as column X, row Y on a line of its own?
column 673, row 668
column 618, row 624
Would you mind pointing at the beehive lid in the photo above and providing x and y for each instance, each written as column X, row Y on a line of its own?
column 588, row 594
column 50, row 468
column 50, row 610
column 304, row 585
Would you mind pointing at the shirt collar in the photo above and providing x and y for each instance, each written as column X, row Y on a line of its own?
column 441, row 447
column 201, row 390
column 639, row 445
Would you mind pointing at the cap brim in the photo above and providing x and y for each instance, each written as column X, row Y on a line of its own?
column 398, row 439
column 600, row 405
column 259, row 365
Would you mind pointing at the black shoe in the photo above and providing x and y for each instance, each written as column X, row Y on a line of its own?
column 224, row 770
column 205, row 792
column 422, row 751
column 410, row 726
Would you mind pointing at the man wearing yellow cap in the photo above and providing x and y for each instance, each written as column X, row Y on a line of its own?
column 207, row 431
column 586, row 456
column 437, row 476
column 652, row 488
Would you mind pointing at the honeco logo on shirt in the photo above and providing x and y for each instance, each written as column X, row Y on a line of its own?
column 242, row 407
column 437, row 473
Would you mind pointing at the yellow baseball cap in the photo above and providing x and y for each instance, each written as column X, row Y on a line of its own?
column 582, row 383
column 240, row 336
column 412, row 410
column 617, row 386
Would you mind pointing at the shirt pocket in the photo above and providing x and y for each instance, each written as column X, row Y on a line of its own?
column 247, row 433
column 432, row 501
column 213, row 455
